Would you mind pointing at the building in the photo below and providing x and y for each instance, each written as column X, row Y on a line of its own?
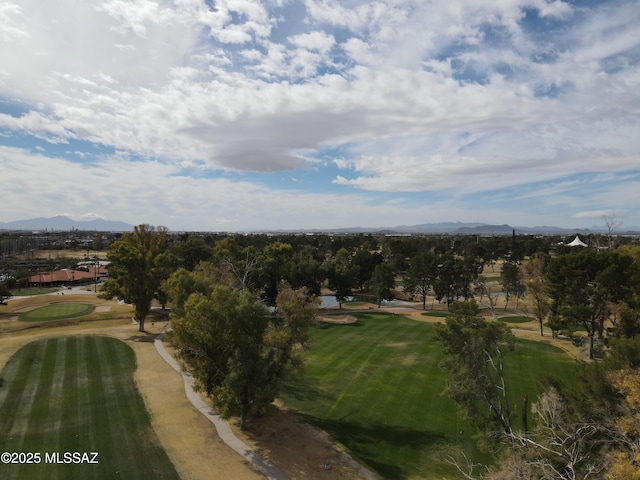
column 69, row 277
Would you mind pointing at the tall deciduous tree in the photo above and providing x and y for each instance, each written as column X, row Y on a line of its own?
column 584, row 285
column 421, row 275
column 537, row 300
column 139, row 264
column 383, row 281
column 512, row 283
column 366, row 262
column 341, row 275
column 237, row 351
column 275, row 264
column 474, row 349
column 192, row 251
column 561, row 446
column 307, row 270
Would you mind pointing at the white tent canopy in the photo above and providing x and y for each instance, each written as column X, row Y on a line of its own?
column 577, row 242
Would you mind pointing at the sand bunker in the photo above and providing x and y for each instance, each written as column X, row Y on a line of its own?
column 337, row 319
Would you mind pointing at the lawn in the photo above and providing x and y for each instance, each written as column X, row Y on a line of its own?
column 375, row 386
column 56, row 311
column 516, row 319
column 77, row 394
column 435, row 314
column 23, row 292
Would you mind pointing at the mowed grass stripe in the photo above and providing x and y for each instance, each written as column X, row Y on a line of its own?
column 23, row 398
column 45, row 417
column 111, row 362
column 97, row 432
column 86, row 392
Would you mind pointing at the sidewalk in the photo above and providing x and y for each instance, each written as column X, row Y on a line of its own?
column 224, row 431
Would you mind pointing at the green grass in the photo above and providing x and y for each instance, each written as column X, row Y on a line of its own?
column 77, row 394
column 435, row 314
column 24, row 292
column 56, row 311
column 375, row 387
column 516, row 319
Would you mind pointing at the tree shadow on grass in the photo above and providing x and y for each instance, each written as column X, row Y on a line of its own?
column 301, row 390
column 142, row 337
column 366, row 442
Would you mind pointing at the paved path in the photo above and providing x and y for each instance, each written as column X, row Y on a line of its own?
column 224, row 431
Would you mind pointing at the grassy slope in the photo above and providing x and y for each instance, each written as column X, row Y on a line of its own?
column 376, row 388
column 77, row 394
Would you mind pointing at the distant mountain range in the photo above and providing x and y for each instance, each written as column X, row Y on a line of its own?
column 460, row 228
column 62, row 223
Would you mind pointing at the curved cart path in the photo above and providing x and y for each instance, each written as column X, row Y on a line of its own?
column 224, row 431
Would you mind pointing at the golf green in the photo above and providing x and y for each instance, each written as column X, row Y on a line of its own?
column 69, row 402
column 56, row 311
column 376, row 387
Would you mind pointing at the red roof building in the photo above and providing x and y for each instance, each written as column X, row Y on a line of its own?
column 69, row 276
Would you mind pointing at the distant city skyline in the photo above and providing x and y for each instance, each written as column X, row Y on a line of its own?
column 321, row 114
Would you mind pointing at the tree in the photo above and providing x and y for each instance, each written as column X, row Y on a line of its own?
column 420, row 276
column 625, row 459
column 474, row 349
column 192, row 251
column 289, row 327
column 584, row 285
column 484, row 289
column 561, row 446
column 236, row 350
column 275, row 263
column 512, row 283
column 98, row 242
column 4, row 293
column 365, row 263
column 341, row 275
column 383, row 282
column 139, row 264
column 244, row 268
column 307, row 271
column 612, row 223
column 455, row 276
column 536, row 288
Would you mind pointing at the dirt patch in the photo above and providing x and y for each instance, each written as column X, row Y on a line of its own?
column 409, row 360
column 344, row 319
column 396, row 344
column 299, row 450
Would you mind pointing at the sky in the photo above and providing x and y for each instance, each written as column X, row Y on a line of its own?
column 236, row 115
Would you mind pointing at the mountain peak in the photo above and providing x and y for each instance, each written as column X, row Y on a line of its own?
column 64, row 222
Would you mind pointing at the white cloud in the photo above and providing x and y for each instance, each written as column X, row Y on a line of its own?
column 597, row 214
column 319, row 41
column 10, row 26
column 399, row 96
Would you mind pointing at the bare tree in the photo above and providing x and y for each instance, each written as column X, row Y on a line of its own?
column 561, row 448
column 482, row 288
column 612, row 223
column 537, row 301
